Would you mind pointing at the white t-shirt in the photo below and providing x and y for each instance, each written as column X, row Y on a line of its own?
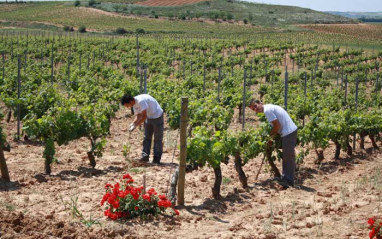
column 148, row 103
column 273, row 112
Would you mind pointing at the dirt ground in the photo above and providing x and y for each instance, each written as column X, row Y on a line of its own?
column 331, row 200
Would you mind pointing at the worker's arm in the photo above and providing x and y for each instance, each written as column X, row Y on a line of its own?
column 275, row 130
column 141, row 117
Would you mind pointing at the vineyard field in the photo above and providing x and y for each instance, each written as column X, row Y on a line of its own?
column 65, row 140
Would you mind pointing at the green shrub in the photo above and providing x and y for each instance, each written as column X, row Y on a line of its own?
column 250, row 16
column 140, row 31
column 82, row 29
column 68, row 29
column 230, row 16
column 77, row 3
column 121, row 31
column 92, row 3
column 182, row 16
column 245, row 21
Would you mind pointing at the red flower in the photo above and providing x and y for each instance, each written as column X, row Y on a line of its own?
column 162, row 197
column 105, row 198
column 164, row 203
column 136, row 208
column 371, row 221
column 116, row 189
column 106, row 212
column 146, row 197
column 152, row 191
column 176, row 212
column 129, row 181
column 372, row 233
column 122, row 194
column 134, row 192
column 108, row 185
column 127, row 176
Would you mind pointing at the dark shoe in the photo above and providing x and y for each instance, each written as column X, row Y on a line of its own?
column 285, row 183
column 156, row 160
column 144, row 159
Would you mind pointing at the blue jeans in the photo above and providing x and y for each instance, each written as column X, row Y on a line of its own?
column 289, row 157
column 156, row 127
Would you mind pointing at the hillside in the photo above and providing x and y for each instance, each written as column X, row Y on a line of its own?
column 258, row 14
column 207, row 17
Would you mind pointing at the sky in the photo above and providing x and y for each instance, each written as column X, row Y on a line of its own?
column 331, row 5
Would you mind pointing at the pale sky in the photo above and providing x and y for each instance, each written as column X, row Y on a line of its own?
column 331, row 5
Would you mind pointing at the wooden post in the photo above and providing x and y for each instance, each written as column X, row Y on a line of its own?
column 250, row 72
column 52, row 65
column 145, row 80
column 356, row 106
column 69, row 68
column 183, row 149
column 25, row 61
column 311, row 80
column 3, row 164
column 346, row 88
column 365, row 77
column 219, row 78
column 293, row 66
column 137, row 54
column 18, row 95
column 3, row 54
column 244, row 88
column 80, row 61
column 141, row 83
column 376, row 89
column 88, row 60
column 204, row 78
column 305, row 79
column 184, row 69
column 286, row 89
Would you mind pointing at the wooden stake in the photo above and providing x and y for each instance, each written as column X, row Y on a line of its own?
column 183, row 149
column 3, row 165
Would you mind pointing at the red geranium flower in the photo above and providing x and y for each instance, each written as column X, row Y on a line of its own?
column 372, row 233
column 152, row 191
column 127, row 176
column 108, row 185
column 371, row 221
column 146, row 197
column 176, row 212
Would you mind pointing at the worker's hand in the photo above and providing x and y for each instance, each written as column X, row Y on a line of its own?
column 270, row 143
column 132, row 127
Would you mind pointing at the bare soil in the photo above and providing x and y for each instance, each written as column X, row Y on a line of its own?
column 331, row 200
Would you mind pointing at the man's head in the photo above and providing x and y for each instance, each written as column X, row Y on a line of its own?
column 256, row 106
column 128, row 101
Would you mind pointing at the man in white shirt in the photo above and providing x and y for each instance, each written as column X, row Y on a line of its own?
column 148, row 111
column 283, row 125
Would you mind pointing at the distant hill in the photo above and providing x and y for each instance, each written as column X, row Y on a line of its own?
column 360, row 15
column 222, row 10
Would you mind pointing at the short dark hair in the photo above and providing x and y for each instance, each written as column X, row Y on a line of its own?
column 254, row 101
column 126, row 99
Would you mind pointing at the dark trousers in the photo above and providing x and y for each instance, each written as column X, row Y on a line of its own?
column 289, row 157
column 153, row 126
